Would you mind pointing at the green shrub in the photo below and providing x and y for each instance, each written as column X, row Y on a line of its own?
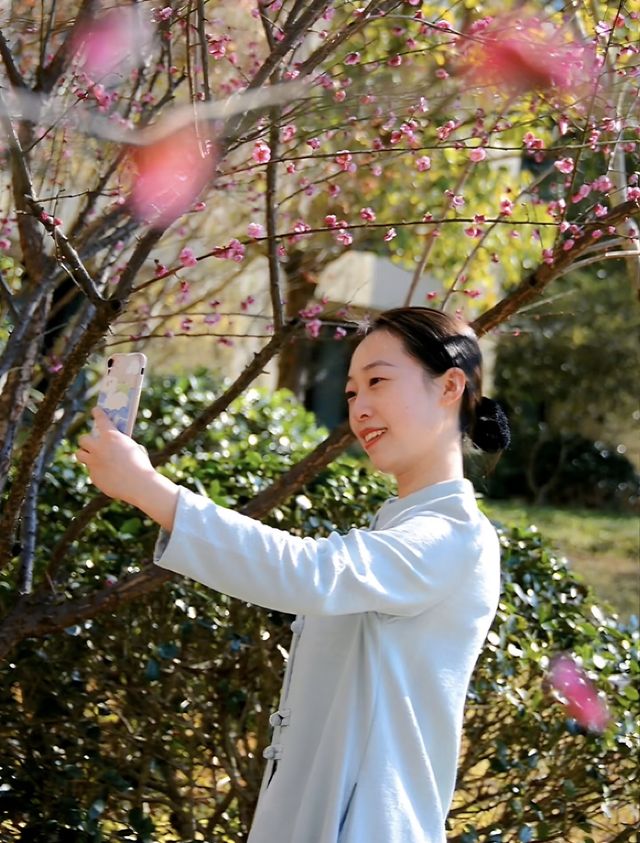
column 147, row 724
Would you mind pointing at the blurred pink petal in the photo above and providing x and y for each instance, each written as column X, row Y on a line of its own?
column 116, row 40
column 524, row 54
column 170, row 174
column 582, row 700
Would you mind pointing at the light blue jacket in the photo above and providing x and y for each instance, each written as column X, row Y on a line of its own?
column 390, row 624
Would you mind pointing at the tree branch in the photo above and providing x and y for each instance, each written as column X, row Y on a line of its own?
column 532, row 286
column 76, row 268
column 43, row 419
column 43, row 613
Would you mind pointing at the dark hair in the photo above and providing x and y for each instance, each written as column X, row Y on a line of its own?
column 440, row 342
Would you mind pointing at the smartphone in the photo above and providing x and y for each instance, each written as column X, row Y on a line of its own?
column 120, row 389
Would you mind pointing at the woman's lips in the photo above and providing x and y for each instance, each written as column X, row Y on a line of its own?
column 368, row 445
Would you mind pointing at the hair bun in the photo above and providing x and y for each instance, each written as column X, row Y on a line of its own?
column 491, row 431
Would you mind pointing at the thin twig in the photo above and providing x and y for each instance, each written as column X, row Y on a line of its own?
column 599, row 257
column 204, row 54
column 275, row 284
column 77, row 269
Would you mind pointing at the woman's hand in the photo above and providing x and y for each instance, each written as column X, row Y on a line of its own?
column 121, row 469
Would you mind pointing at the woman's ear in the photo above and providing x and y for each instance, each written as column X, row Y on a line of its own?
column 454, row 382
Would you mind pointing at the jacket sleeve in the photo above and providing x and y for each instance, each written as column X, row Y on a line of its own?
column 398, row 571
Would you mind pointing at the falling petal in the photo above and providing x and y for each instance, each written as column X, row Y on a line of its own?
column 170, row 173
column 115, row 41
column 581, row 697
column 524, row 54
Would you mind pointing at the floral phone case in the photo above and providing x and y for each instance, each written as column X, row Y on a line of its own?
column 120, row 389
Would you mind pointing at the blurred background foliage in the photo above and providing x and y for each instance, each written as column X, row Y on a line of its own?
column 147, row 724
column 568, row 376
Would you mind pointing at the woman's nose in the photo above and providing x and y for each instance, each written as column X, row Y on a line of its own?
column 360, row 409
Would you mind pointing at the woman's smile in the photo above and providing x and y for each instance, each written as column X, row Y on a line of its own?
column 370, row 436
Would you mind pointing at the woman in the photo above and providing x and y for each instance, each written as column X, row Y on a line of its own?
column 391, row 619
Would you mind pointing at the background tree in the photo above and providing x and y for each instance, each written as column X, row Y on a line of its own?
column 136, row 198
column 89, row 209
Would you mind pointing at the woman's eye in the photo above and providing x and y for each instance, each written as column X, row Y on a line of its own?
column 349, row 395
column 374, row 381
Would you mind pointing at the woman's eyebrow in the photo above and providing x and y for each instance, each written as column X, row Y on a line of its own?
column 371, row 365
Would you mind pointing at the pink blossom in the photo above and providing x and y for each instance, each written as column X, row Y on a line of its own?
column 473, row 231
column 246, row 304
column 391, row 233
column 217, row 48
column 563, row 125
column 395, row 61
column 441, row 73
column 288, row 133
column 547, row 256
column 344, row 237
column 255, row 230
column 334, row 190
column 457, row 200
column 395, row 137
column 582, row 193
column 313, row 328
column 352, row 58
column 5, row 243
column 603, row 184
column 600, row 210
column 261, row 152
column 564, row 226
column 343, row 159
column 597, row 233
column 187, row 258
column 564, row 165
column 477, row 154
column 367, row 214
column 200, row 206
column 186, row 323
column 633, row 194
column 311, row 311
column 291, row 167
column 331, row 220
column 212, row 319
column 445, row 130
column 340, row 95
column 164, row 14
column 234, row 251
column 340, row 333
column 314, row 143
column 532, row 142
column 568, row 244
column 506, row 207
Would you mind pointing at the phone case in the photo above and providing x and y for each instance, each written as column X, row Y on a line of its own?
column 120, row 389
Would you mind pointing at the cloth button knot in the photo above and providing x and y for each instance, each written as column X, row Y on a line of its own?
column 273, row 752
column 281, row 717
column 297, row 625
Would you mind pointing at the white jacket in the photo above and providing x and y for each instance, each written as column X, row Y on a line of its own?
column 390, row 624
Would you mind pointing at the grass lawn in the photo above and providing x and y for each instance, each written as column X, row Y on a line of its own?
column 601, row 546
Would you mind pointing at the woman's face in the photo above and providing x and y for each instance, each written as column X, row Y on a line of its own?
column 405, row 419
